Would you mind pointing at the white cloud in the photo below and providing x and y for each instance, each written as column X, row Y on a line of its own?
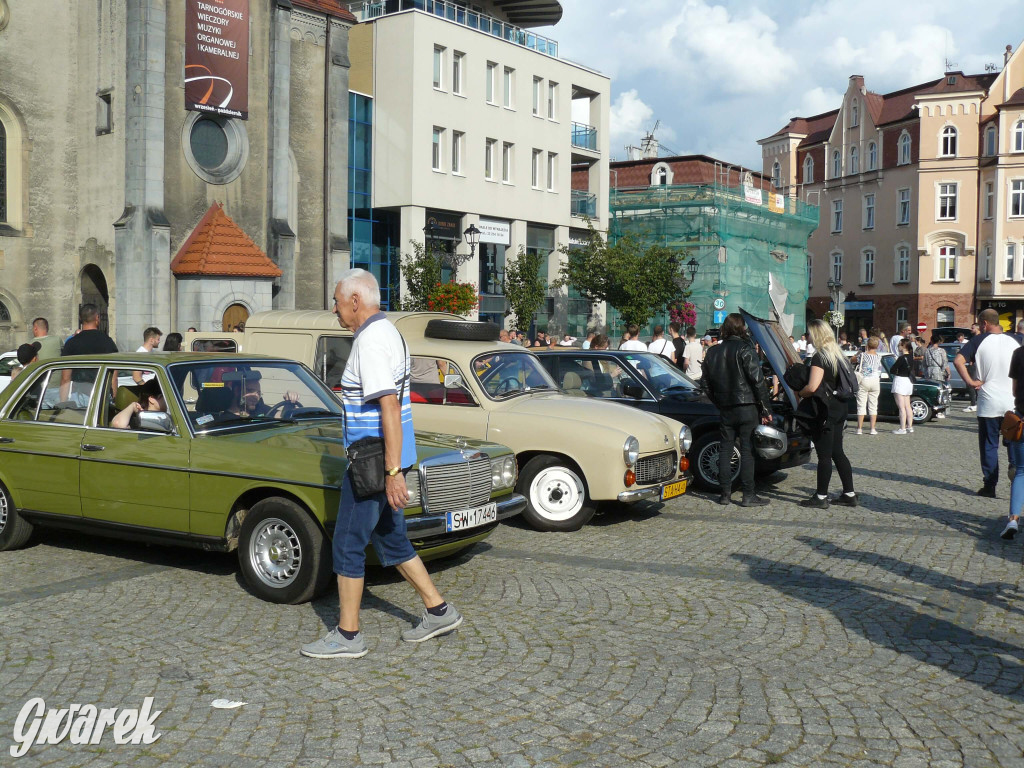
column 630, row 117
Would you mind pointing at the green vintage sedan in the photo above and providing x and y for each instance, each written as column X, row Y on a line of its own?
column 240, row 452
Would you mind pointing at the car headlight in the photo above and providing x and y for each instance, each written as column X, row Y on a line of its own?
column 685, row 438
column 412, row 482
column 631, row 451
column 503, row 472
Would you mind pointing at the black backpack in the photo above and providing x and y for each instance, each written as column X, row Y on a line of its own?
column 846, row 382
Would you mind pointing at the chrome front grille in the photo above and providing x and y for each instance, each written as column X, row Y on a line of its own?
column 453, row 482
column 656, row 468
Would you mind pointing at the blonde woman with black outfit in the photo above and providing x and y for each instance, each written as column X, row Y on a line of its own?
column 828, row 442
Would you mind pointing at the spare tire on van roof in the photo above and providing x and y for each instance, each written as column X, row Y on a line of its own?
column 461, row 330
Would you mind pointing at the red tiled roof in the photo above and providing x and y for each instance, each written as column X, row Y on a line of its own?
column 330, row 7
column 219, row 247
column 1015, row 100
column 890, row 107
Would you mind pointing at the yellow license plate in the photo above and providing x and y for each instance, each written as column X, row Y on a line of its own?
column 672, row 490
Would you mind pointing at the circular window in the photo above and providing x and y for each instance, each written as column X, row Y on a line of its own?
column 216, row 148
column 209, row 143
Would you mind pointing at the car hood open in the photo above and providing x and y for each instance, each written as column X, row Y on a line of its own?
column 777, row 348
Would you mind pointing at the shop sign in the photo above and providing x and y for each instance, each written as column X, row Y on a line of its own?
column 217, row 57
column 494, row 231
column 447, row 226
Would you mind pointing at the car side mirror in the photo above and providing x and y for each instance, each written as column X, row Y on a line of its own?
column 630, row 389
column 153, row 421
column 453, row 381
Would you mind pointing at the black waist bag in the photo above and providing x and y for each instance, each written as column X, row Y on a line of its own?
column 366, row 466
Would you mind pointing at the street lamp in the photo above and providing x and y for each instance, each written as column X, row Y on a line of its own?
column 692, row 267
column 472, row 235
column 429, row 234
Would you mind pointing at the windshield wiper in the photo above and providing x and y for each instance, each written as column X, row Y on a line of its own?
column 298, row 412
column 250, row 420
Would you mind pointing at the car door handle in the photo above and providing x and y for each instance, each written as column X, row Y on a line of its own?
column 88, row 447
column 6, row 439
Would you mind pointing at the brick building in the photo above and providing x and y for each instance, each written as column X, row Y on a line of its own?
column 921, row 195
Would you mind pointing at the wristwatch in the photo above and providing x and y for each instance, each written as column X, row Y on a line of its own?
column 394, row 471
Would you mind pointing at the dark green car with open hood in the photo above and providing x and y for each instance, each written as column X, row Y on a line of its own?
column 245, row 452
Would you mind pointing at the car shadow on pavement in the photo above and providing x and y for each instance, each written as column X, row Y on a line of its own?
column 168, row 555
column 993, row 593
column 889, row 623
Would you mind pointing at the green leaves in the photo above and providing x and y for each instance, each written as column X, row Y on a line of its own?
column 422, row 273
column 637, row 280
column 525, row 289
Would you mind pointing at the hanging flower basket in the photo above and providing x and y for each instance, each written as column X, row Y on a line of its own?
column 683, row 313
column 457, row 298
column 834, row 318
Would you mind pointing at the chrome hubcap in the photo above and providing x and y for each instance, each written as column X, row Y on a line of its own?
column 709, row 462
column 275, row 553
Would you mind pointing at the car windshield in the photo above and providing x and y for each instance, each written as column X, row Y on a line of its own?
column 230, row 393
column 659, row 373
column 505, row 374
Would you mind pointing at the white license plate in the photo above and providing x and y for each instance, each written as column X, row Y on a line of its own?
column 471, row 518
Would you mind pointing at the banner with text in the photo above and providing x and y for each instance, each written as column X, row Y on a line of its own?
column 217, row 57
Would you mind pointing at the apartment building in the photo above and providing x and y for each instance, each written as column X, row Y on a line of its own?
column 921, row 197
column 462, row 117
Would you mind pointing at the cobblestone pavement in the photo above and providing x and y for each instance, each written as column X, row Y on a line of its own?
column 683, row 635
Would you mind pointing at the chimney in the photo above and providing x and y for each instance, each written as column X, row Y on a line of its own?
column 649, row 146
column 1007, row 55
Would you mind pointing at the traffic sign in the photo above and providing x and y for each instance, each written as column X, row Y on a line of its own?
column 921, row 327
column 719, row 303
column 720, row 316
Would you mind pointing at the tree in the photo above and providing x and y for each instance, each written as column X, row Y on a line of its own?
column 636, row 280
column 422, row 272
column 525, row 289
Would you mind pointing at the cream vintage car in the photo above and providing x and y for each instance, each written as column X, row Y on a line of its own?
column 572, row 452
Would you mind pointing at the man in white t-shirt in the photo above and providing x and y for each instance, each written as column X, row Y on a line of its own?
column 375, row 396
column 634, row 344
column 660, row 345
column 990, row 351
column 150, row 341
column 903, row 333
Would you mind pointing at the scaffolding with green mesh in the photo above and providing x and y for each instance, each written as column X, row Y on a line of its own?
column 735, row 241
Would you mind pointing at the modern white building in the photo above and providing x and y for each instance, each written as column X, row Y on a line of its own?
column 461, row 116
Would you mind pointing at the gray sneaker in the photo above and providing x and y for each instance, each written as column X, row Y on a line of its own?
column 432, row 626
column 336, row 646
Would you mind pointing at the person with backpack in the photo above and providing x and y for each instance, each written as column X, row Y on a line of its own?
column 831, row 374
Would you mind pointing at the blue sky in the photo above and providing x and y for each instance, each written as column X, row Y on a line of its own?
column 720, row 76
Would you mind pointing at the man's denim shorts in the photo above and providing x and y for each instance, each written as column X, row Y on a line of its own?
column 363, row 521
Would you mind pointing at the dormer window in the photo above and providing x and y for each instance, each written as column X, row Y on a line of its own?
column 661, row 175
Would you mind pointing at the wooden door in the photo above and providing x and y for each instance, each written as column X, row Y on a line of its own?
column 234, row 315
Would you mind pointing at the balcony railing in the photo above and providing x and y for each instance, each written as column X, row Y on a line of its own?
column 460, row 15
column 583, row 203
column 584, row 136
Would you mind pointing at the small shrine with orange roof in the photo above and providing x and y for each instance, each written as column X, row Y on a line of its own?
column 222, row 276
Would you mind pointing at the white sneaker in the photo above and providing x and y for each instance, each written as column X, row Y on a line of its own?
column 1009, row 531
column 874, row 431
column 940, row 415
column 899, row 431
column 910, row 429
column 970, row 408
column 860, row 431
